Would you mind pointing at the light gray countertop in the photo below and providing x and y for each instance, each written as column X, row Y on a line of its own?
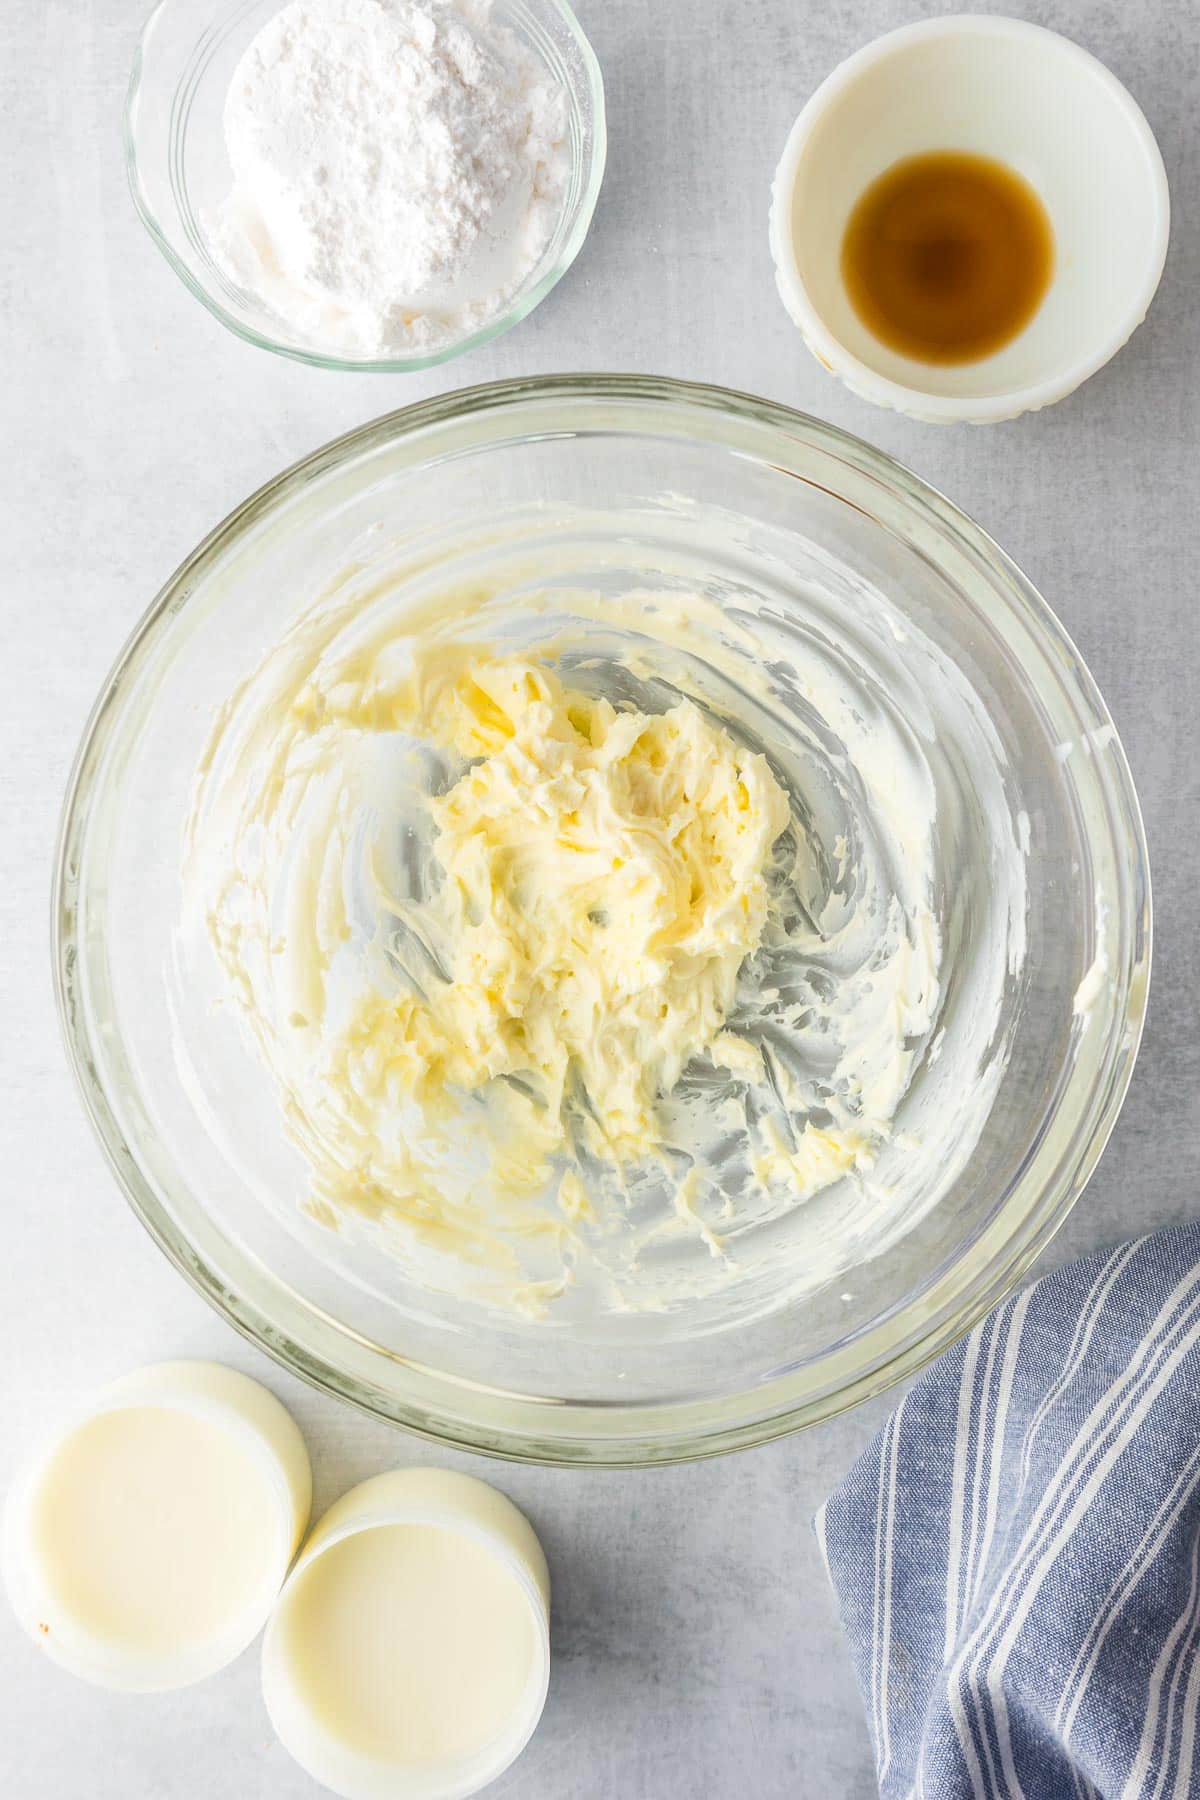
column 696, row 1651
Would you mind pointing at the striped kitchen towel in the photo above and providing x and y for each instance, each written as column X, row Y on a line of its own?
column 1017, row 1556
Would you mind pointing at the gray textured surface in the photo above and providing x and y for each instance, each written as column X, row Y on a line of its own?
column 695, row 1649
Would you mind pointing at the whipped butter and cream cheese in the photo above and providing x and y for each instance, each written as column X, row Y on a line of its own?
column 557, row 963
column 602, row 884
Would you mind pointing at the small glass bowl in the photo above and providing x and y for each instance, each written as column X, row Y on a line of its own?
column 179, row 171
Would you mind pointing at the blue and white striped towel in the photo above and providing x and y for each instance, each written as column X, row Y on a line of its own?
column 1017, row 1556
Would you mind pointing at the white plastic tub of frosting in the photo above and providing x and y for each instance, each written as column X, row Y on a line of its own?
column 144, row 1548
column 409, row 1654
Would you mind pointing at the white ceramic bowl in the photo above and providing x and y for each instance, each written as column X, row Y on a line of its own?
column 1001, row 88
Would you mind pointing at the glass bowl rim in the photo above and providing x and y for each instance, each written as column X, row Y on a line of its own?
column 642, row 1433
column 523, row 304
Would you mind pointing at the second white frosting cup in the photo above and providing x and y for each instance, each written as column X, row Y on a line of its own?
column 409, row 1652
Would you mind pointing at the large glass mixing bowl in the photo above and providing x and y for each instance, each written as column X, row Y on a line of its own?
column 615, row 483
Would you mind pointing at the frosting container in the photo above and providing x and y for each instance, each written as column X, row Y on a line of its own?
column 954, row 958
column 145, row 1546
column 408, row 1656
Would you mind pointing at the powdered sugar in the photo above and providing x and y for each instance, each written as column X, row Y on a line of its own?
column 399, row 167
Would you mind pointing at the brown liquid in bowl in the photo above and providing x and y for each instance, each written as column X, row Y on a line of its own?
column 947, row 256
